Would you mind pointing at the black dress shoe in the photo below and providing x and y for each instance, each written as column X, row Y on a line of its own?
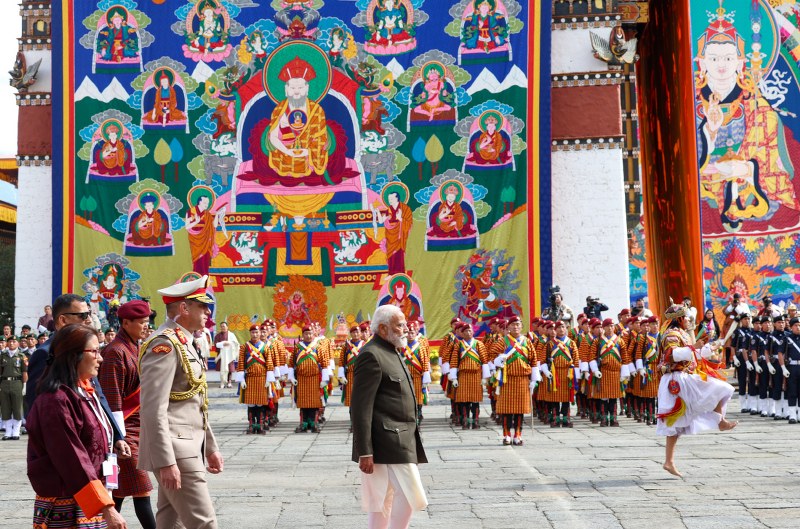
column 6, row 437
column 15, row 438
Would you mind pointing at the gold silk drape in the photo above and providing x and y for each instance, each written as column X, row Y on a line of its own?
column 670, row 184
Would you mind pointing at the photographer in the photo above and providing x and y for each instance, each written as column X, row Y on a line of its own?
column 594, row 308
column 558, row 311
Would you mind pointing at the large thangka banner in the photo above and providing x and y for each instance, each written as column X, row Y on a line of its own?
column 748, row 136
column 316, row 159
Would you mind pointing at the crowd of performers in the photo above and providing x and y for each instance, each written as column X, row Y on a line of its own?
column 606, row 368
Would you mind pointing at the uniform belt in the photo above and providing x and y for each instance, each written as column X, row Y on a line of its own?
column 11, row 378
column 794, row 362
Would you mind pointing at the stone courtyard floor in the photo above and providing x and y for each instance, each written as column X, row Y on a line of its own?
column 562, row 478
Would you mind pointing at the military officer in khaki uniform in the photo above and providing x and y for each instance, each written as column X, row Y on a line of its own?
column 176, row 441
column 13, row 376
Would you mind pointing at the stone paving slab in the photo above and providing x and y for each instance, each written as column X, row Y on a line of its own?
column 562, row 478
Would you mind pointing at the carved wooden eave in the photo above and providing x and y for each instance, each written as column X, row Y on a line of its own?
column 606, row 77
column 33, row 160
column 33, row 99
column 589, row 144
column 608, row 20
column 31, row 44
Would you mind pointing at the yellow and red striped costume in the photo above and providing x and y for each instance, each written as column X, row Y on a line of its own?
column 563, row 357
column 308, row 362
column 630, row 339
column 418, row 361
column 648, row 353
column 514, row 377
column 255, row 361
column 445, row 350
column 610, row 358
column 469, row 358
column 347, row 360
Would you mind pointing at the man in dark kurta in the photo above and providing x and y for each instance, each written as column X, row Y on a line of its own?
column 386, row 441
column 119, row 377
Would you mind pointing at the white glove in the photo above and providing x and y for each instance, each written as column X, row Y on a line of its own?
column 759, row 369
column 453, row 375
column 706, row 351
column 270, row 378
column 25, row 388
column 323, row 383
column 455, row 383
column 598, row 374
column 484, row 381
column 343, row 381
column 736, row 361
column 642, row 371
column 533, row 385
column 426, row 377
column 341, row 374
column 445, row 368
column 293, row 381
column 749, row 365
column 682, row 354
column 545, row 369
column 639, row 365
column 771, row 368
column 243, row 384
column 785, row 371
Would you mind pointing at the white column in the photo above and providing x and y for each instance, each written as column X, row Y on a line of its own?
column 590, row 251
column 33, row 283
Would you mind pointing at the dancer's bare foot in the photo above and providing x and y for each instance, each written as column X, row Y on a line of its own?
column 725, row 425
column 669, row 467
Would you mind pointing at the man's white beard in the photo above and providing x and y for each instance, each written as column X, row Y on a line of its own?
column 297, row 102
column 401, row 342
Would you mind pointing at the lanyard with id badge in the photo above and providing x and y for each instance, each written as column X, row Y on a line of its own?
column 110, row 467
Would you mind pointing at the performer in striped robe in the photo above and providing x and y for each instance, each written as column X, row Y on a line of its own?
column 255, row 376
column 418, row 360
column 647, row 378
column 560, row 368
column 448, row 342
column 469, row 371
column 582, row 342
column 518, row 374
column 347, row 364
column 309, row 374
column 610, row 365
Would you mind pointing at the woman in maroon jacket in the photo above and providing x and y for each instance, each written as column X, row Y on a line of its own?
column 70, row 438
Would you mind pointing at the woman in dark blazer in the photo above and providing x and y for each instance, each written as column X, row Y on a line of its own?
column 70, row 438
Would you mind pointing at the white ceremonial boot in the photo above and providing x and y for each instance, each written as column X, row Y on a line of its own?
column 792, row 414
column 763, row 407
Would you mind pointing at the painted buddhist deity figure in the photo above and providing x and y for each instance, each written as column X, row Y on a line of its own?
column 298, row 136
column 201, row 223
column 436, row 96
column 745, row 168
column 489, row 145
column 165, row 110
column 118, row 41
column 485, row 29
column 113, row 155
column 450, row 220
column 397, row 220
column 207, row 30
column 391, row 27
column 149, row 225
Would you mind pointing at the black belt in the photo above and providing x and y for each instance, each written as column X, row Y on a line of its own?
column 11, row 378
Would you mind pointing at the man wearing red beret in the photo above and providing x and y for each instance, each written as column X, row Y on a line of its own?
column 609, row 365
column 448, row 342
column 469, row 370
column 119, row 378
column 347, row 363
